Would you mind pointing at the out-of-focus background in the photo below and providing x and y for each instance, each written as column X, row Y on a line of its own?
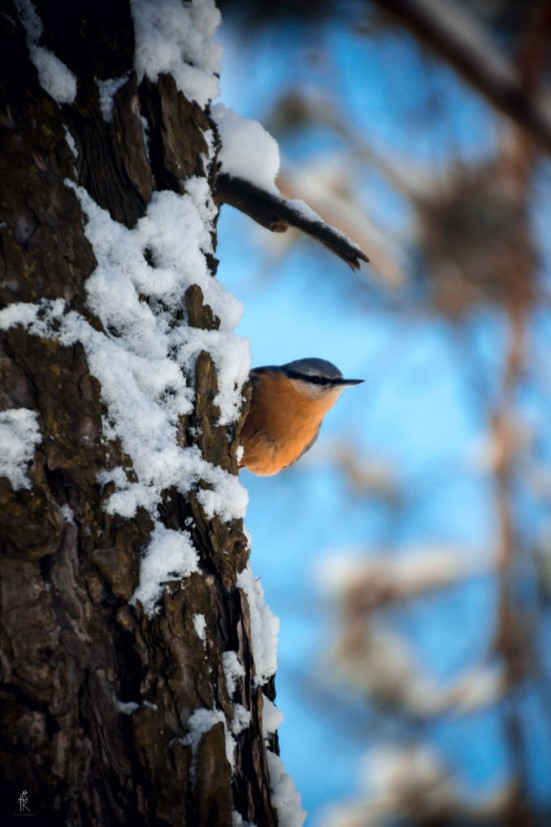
column 408, row 555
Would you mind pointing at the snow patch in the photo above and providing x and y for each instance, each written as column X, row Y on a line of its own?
column 272, row 717
column 127, row 707
column 241, row 719
column 248, row 150
column 19, row 433
column 175, row 38
column 233, row 670
column 30, row 19
column 284, row 795
column 40, row 319
column 170, row 555
column 264, row 627
column 139, row 361
column 55, row 78
column 68, row 514
column 199, row 722
column 71, row 143
column 200, row 626
column 237, row 820
column 107, row 89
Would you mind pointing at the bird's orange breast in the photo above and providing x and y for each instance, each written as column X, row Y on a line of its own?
column 282, row 423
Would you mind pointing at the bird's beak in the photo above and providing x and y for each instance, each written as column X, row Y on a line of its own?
column 347, row 383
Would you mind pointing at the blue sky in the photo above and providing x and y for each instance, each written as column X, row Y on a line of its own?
column 416, row 411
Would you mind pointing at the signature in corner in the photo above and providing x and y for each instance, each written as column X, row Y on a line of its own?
column 23, row 801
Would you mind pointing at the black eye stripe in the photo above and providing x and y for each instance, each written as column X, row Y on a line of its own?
column 309, row 378
column 312, row 379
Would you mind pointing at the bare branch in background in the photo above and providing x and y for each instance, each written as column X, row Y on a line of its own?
column 455, row 35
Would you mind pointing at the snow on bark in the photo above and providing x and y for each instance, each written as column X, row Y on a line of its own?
column 139, row 353
column 139, row 346
column 19, row 433
column 176, row 38
column 248, row 150
column 264, row 627
column 55, row 78
column 285, row 796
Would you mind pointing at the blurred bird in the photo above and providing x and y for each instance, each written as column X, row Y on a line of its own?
column 288, row 404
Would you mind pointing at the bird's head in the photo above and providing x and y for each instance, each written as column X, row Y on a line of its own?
column 316, row 377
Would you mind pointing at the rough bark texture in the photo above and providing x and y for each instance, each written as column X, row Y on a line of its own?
column 72, row 645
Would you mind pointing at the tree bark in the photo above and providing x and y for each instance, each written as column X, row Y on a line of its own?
column 75, row 651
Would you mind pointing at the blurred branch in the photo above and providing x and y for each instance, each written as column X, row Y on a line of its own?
column 369, row 583
column 457, row 38
column 514, row 639
column 534, row 45
column 412, row 785
column 328, row 188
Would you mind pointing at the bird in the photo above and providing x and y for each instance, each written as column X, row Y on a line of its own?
column 288, row 404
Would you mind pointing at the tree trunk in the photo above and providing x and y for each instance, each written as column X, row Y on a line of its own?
column 111, row 714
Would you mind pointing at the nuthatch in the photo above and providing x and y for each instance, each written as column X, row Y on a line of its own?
column 288, row 404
